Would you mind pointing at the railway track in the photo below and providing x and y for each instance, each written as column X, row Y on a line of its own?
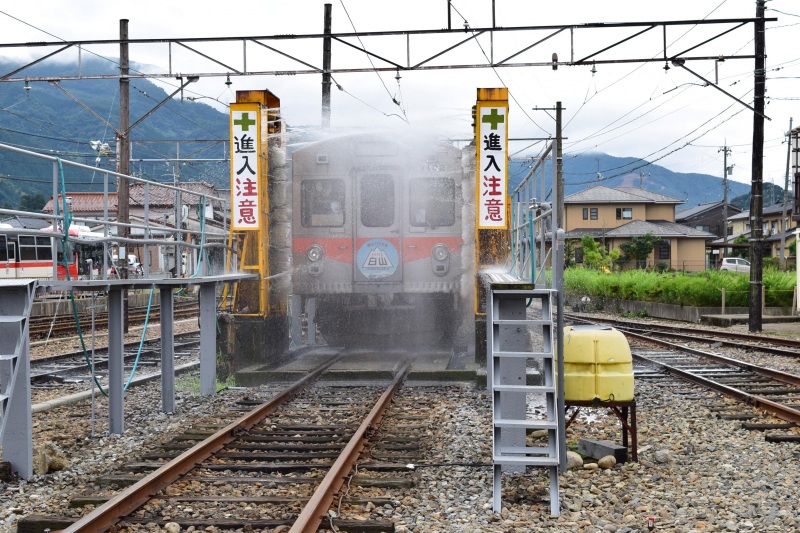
column 67, row 368
column 282, row 463
column 772, row 345
column 64, row 323
column 763, row 388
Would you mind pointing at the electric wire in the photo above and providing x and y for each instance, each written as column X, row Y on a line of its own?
column 369, row 58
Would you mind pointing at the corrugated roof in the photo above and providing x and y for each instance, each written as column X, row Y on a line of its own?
column 24, row 222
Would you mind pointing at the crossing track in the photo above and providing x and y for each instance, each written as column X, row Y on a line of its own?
column 72, row 367
column 192, row 470
column 64, row 323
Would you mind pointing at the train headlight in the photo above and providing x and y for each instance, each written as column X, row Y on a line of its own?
column 440, row 252
column 441, row 259
column 314, row 253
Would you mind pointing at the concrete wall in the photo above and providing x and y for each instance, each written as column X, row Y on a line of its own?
column 676, row 312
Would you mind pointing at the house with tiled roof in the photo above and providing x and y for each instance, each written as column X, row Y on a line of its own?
column 154, row 207
column 773, row 225
column 709, row 217
column 614, row 216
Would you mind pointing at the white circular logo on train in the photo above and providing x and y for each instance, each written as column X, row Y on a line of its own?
column 377, row 259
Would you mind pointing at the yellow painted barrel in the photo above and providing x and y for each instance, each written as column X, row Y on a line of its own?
column 597, row 364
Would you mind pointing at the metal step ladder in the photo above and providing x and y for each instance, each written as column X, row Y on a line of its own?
column 16, row 426
column 521, row 375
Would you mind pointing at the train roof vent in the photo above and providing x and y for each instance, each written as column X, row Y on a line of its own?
column 322, row 159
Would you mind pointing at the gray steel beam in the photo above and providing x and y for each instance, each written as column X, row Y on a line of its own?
column 116, row 362
column 167, row 351
column 208, row 338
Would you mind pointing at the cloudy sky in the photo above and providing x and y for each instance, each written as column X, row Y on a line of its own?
column 624, row 109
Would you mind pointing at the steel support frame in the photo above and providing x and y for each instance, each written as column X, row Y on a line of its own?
column 397, row 65
column 16, row 427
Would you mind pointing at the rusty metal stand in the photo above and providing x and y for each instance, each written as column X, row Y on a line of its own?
column 625, row 412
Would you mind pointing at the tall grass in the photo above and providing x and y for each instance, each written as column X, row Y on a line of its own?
column 699, row 289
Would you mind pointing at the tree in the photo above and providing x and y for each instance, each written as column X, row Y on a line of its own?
column 639, row 249
column 32, row 202
column 597, row 257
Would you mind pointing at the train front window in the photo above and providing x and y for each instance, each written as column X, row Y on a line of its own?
column 377, row 201
column 431, row 202
column 322, row 203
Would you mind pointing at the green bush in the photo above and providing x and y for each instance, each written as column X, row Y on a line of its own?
column 699, row 289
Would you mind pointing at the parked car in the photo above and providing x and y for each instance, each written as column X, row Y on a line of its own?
column 735, row 264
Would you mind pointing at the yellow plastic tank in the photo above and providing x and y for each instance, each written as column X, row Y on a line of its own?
column 597, row 364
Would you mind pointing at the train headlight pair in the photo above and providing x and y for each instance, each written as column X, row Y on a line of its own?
column 441, row 259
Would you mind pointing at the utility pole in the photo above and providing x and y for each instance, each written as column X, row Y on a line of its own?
column 326, row 70
column 123, row 139
column 123, row 164
column 725, row 151
column 756, row 201
column 784, row 221
column 559, row 196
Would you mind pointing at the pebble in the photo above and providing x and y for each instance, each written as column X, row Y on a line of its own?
column 695, row 472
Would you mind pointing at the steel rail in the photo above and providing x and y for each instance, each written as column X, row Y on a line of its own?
column 126, row 502
column 779, row 410
column 694, row 337
column 777, row 375
column 791, row 343
column 316, row 509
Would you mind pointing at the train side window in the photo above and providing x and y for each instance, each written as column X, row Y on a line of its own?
column 377, row 201
column 3, row 252
column 431, row 202
column 27, row 248
column 43, row 249
column 322, row 203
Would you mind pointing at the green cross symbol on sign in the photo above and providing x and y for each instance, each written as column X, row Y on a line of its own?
column 245, row 122
column 494, row 119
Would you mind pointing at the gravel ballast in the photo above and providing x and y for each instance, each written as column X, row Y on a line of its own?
column 695, row 471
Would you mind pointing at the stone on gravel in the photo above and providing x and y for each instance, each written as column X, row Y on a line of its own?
column 609, row 461
column 574, row 460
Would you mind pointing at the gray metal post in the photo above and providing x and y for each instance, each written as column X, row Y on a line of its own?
column 208, row 339
column 167, row 351
column 510, row 371
column 297, row 319
column 16, row 425
column 53, row 242
column 558, row 285
column 146, row 247
column 116, row 362
column 311, row 320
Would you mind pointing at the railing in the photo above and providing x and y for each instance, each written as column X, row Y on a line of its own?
column 194, row 243
column 531, row 223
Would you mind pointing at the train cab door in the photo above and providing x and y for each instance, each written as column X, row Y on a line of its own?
column 377, row 250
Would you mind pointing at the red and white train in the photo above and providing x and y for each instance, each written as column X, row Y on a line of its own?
column 29, row 254
column 377, row 237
